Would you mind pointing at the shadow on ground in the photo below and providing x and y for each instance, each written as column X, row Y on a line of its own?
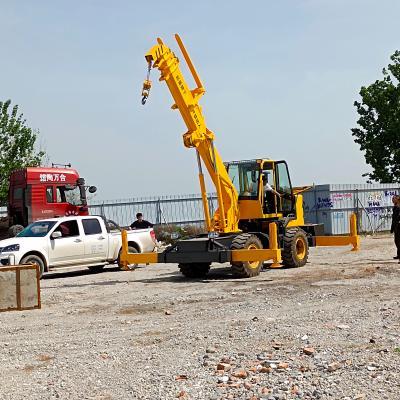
column 216, row 274
column 54, row 274
column 222, row 274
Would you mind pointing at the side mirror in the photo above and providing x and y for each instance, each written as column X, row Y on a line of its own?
column 56, row 234
column 92, row 189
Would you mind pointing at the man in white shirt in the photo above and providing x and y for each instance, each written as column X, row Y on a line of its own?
column 268, row 187
column 269, row 195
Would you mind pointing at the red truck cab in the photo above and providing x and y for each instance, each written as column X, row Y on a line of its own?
column 45, row 192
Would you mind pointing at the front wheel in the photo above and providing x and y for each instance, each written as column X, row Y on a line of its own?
column 34, row 259
column 295, row 248
column 246, row 269
column 131, row 249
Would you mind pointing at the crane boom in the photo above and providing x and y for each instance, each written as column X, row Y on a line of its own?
column 226, row 217
column 270, row 217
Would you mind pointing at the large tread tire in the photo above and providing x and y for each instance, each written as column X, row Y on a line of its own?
column 246, row 269
column 194, row 270
column 34, row 259
column 131, row 249
column 295, row 248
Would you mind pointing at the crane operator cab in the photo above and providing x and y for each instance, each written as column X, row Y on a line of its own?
column 264, row 189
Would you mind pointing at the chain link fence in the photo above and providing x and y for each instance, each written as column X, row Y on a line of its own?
column 173, row 210
column 331, row 205
column 328, row 204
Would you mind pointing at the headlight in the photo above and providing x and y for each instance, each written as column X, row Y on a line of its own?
column 11, row 247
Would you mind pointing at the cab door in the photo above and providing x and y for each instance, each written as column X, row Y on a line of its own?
column 69, row 248
column 284, row 187
column 96, row 241
column 270, row 204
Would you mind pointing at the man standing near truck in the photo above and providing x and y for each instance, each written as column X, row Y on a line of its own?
column 395, row 228
column 140, row 223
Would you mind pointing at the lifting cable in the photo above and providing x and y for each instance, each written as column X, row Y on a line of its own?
column 146, row 85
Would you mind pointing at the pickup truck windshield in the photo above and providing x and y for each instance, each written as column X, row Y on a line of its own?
column 37, row 229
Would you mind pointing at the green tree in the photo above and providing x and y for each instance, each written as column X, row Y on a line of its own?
column 378, row 131
column 17, row 145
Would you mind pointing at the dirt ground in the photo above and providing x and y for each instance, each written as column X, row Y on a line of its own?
column 329, row 330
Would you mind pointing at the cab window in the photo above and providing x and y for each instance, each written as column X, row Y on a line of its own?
column 68, row 229
column 91, row 226
column 284, row 187
column 68, row 194
column 245, row 177
column 61, row 194
column 283, row 181
column 49, row 194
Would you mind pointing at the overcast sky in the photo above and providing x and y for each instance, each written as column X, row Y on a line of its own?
column 281, row 79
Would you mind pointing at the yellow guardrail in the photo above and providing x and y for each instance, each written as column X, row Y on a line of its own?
column 352, row 239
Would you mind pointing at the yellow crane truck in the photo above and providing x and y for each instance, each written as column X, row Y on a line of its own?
column 259, row 216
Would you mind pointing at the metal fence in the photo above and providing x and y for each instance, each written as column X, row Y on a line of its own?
column 174, row 210
column 329, row 204
column 333, row 204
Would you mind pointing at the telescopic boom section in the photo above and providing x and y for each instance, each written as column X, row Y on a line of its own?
column 226, row 217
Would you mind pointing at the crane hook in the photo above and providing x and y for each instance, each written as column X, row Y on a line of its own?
column 146, row 86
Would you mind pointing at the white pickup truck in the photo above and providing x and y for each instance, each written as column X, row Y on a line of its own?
column 88, row 241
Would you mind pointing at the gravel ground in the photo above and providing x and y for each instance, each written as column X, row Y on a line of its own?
column 329, row 330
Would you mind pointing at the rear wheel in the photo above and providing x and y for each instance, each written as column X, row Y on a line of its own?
column 34, row 259
column 131, row 249
column 295, row 248
column 194, row 270
column 246, row 269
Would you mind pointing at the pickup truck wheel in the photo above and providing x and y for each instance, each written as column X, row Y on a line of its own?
column 131, row 249
column 33, row 259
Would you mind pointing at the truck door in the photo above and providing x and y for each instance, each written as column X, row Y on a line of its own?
column 284, row 187
column 69, row 248
column 96, row 243
column 269, row 198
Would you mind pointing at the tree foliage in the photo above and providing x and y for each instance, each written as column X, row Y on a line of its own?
column 378, row 131
column 17, row 145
